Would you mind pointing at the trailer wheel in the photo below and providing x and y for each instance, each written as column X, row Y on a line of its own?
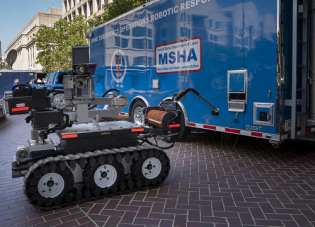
column 276, row 145
column 136, row 112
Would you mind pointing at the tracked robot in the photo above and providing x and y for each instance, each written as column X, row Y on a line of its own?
column 96, row 156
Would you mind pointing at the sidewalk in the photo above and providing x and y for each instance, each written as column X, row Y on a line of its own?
column 208, row 186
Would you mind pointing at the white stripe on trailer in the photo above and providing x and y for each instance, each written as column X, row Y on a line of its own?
column 235, row 131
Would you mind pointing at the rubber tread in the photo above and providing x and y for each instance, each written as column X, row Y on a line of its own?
column 83, row 193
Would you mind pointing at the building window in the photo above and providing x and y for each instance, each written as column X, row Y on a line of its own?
column 99, row 5
column 65, row 5
column 79, row 11
column 73, row 3
column 85, row 11
column 117, row 41
column 217, row 25
column 210, row 23
column 91, row 7
column 124, row 43
column 69, row 4
column 106, row 2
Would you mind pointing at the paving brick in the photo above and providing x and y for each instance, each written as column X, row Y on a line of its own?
column 102, row 218
column 83, row 220
column 112, row 212
column 158, row 207
column 199, row 224
column 56, row 215
column 128, row 217
column 72, row 217
column 68, row 224
column 290, row 224
column 131, row 225
column 161, row 216
column 113, row 221
column 89, row 224
column 180, row 220
column 143, row 212
column 166, row 223
column 268, row 222
column 246, row 218
column 147, row 221
column 96, row 209
column 49, row 223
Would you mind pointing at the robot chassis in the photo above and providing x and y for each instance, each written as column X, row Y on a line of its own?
column 93, row 159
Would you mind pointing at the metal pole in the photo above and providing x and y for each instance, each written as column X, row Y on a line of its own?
column 294, row 67
column 312, row 62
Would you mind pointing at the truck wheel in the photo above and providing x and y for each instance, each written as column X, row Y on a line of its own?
column 136, row 112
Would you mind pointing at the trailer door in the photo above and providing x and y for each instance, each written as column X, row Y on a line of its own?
column 219, row 25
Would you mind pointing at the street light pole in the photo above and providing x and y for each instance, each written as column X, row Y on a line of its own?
column 0, row 56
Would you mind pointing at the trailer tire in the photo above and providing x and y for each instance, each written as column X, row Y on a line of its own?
column 136, row 111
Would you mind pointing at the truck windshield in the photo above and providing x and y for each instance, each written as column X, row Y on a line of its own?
column 46, row 78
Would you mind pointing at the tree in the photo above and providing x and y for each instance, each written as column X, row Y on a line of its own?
column 115, row 9
column 55, row 44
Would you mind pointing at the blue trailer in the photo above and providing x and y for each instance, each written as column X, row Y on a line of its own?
column 252, row 59
column 7, row 78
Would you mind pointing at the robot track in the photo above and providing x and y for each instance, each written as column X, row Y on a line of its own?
column 50, row 182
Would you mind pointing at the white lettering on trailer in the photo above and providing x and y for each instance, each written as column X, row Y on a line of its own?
column 183, row 55
column 152, row 18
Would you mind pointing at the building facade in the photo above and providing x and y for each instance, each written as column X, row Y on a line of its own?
column 23, row 44
column 87, row 8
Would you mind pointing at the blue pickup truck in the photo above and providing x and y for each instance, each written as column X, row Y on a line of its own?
column 54, row 79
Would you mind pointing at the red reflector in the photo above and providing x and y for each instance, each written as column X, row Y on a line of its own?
column 70, row 136
column 20, row 109
column 233, row 130
column 122, row 114
column 268, row 137
column 191, row 124
column 210, row 127
column 308, row 130
column 137, row 130
column 174, row 126
column 289, row 135
column 92, row 66
column 256, row 134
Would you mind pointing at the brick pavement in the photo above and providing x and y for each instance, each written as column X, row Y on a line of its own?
column 208, row 185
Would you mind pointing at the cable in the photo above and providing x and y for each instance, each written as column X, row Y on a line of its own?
column 145, row 140
column 105, row 93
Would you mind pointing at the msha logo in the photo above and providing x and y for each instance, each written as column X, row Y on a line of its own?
column 119, row 65
column 181, row 56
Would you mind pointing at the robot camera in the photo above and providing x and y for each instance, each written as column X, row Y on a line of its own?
column 84, row 69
